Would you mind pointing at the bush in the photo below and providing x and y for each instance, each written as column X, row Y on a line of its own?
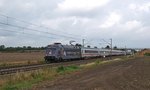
column 63, row 69
column 147, row 54
column 97, row 62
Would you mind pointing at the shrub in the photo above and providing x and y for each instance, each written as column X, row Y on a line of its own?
column 97, row 62
column 147, row 54
column 63, row 69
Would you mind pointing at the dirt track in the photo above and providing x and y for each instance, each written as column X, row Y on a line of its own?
column 124, row 75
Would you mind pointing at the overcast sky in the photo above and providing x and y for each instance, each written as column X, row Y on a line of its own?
column 127, row 22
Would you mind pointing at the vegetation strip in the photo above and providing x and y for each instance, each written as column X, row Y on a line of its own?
column 5, row 71
column 147, row 54
column 26, row 80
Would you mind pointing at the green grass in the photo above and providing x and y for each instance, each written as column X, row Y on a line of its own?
column 4, row 65
column 17, row 86
column 63, row 69
column 97, row 62
column 27, row 80
column 147, row 54
column 23, row 82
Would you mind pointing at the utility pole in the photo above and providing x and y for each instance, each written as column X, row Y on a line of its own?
column 111, row 48
column 125, row 51
column 83, row 42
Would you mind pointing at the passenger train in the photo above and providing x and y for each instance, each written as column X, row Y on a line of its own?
column 58, row 52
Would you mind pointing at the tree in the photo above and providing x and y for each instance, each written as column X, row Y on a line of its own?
column 29, row 47
column 107, row 47
column 88, row 46
column 95, row 47
column 78, row 45
column 24, row 47
column 115, row 47
column 2, row 47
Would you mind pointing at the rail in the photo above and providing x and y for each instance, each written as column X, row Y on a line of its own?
column 10, row 70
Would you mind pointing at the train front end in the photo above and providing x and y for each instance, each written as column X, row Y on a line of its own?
column 50, row 54
column 52, row 51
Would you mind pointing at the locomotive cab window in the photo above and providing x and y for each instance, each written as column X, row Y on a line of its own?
column 50, row 50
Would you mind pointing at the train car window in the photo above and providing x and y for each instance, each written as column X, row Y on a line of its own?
column 72, row 52
column 90, row 51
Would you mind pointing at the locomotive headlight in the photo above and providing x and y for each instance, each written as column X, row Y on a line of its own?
column 50, row 53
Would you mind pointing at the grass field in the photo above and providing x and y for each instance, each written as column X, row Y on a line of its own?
column 25, row 80
column 21, row 58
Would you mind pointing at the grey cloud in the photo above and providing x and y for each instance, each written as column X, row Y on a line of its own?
column 83, row 23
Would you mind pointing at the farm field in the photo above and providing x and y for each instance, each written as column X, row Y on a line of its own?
column 21, row 58
column 124, row 75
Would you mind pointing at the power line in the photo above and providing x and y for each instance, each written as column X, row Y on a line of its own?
column 36, row 30
column 7, row 17
column 6, row 30
column 17, row 23
column 23, row 34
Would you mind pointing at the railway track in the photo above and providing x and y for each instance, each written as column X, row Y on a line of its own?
column 10, row 70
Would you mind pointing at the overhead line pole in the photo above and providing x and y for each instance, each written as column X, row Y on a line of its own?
column 83, row 42
column 111, row 47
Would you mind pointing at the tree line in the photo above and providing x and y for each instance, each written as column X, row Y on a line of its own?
column 3, row 48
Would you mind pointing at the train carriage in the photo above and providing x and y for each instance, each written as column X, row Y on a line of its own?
column 105, row 52
column 59, row 52
column 90, row 52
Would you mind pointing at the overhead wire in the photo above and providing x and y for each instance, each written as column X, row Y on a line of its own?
column 37, row 30
column 7, row 17
column 27, row 30
column 6, row 30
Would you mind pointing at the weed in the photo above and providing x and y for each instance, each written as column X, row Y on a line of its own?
column 4, row 65
column 63, row 69
column 28, row 62
column 40, row 61
column 97, row 62
column 26, row 80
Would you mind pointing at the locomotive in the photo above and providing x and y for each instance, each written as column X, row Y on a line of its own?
column 58, row 52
